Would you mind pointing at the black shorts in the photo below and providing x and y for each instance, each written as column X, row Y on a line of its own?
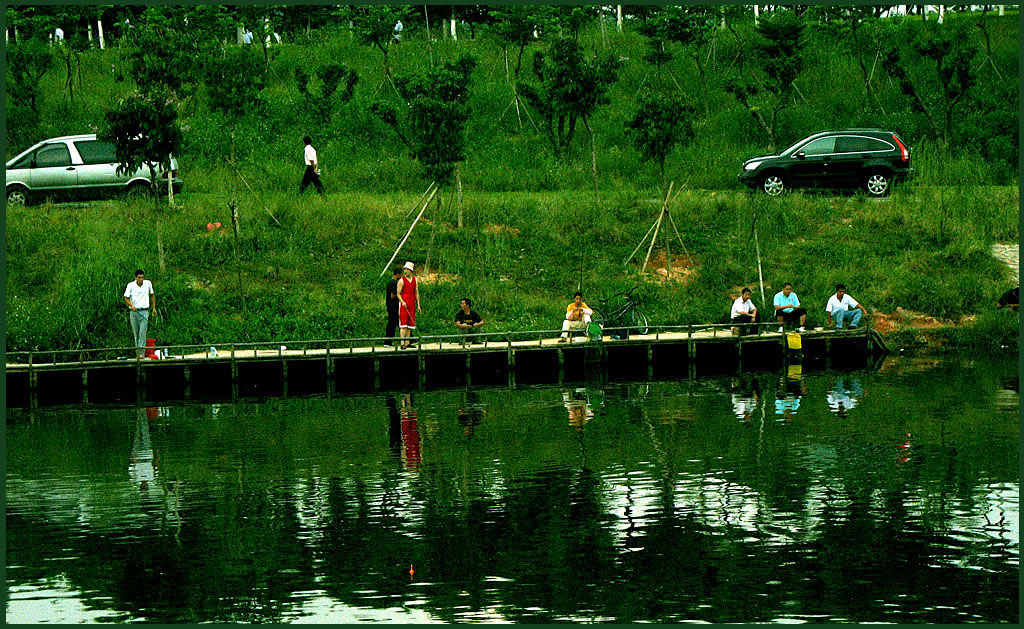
column 792, row 316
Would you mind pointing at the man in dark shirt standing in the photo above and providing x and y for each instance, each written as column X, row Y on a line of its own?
column 467, row 320
column 391, row 303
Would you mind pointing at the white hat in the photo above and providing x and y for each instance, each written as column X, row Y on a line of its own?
column 409, row 265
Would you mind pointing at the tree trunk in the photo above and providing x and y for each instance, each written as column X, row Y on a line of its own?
column 618, row 17
column 433, row 232
column 458, row 194
column 170, row 182
column 99, row 31
column 239, row 32
column 430, row 47
column 156, row 212
column 593, row 157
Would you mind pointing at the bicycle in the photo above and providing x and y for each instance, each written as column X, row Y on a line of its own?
column 628, row 317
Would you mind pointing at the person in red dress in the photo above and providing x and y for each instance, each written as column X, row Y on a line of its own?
column 409, row 304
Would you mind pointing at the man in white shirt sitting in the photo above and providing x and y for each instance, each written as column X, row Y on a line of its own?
column 842, row 307
column 744, row 311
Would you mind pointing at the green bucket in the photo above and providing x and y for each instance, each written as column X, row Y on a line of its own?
column 594, row 331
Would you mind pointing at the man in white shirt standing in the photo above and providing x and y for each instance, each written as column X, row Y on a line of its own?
column 842, row 307
column 312, row 174
column 744, row 311
column 139, row 296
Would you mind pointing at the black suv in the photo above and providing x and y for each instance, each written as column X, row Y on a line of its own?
column 871, row 159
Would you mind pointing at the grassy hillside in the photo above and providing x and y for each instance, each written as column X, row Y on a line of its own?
column 531, row 221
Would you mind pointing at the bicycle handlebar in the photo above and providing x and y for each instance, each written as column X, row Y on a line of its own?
column 625, row 294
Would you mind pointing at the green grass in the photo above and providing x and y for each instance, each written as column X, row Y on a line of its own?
column 313, row 273
column 518, row 257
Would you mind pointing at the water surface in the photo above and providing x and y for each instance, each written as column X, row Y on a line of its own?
column 829, row 496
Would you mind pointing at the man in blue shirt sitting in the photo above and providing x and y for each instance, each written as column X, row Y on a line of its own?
column 787, row 308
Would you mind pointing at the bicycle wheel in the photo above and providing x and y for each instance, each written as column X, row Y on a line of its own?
column 638, row 320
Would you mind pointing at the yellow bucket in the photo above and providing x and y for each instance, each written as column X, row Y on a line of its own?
column 793, row 339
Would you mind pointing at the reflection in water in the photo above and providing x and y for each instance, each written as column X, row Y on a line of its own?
column 791, row 390
column 140, row 466
column 846, row 391
column 664, row 508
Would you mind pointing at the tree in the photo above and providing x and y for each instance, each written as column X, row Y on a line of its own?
column 374, row 26
column 325, row 99
column 514, row 27
column 951, row 54
column 688, row 26
column 434, row 128
column 27, row 63
column 234, row 82
column 780, row 47
column 852, row 28
column 570, row 89
column 659, row 124
column 162, row 60
column 144, row 129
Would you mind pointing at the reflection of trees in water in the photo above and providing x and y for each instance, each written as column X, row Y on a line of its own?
column 834, row 521
column 244, row 553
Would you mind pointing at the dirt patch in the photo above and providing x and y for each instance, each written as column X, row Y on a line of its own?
column 438, row 278
column 497, row 229
column 684, row 268
column 908, row 319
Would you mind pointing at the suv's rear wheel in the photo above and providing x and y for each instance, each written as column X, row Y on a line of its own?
column 773, row 184
column 17, row 195
column 878, row 183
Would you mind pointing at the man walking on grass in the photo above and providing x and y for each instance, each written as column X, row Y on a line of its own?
column 312, row 174
column 139, row 296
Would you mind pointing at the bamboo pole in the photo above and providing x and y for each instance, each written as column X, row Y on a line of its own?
column 411, row 227
column 657, row 226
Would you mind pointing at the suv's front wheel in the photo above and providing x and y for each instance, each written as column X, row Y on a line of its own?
column 773, row 184
column 878, row 183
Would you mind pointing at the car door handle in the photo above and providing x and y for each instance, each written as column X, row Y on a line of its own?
column 70, row 168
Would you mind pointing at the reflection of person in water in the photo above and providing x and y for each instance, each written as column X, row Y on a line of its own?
column 580, row 411
column 471, row 413
column 394, row 426
column 745, row 399
column 141, row 467
column 844, row 394
column 410, row 433
column 791, row 389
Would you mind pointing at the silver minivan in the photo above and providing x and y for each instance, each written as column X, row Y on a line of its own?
column 76, row 167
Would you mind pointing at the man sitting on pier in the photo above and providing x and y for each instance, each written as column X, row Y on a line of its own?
column 577, row 316
column 467, row 320
column 843, row 307
column 744, row 311
column 787, row 307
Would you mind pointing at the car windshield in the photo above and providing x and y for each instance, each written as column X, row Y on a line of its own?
column 793, row 147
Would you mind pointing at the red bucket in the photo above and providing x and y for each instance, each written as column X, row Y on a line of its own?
column 151, row 348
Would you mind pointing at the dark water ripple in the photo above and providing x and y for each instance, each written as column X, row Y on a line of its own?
column 882, row 496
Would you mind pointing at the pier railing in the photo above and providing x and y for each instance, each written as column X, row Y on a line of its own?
column 374, row 344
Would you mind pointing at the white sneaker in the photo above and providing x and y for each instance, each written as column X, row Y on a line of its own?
column 781, row 330
column 801, row 329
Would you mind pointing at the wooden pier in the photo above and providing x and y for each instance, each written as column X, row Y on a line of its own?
column 368, row 364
